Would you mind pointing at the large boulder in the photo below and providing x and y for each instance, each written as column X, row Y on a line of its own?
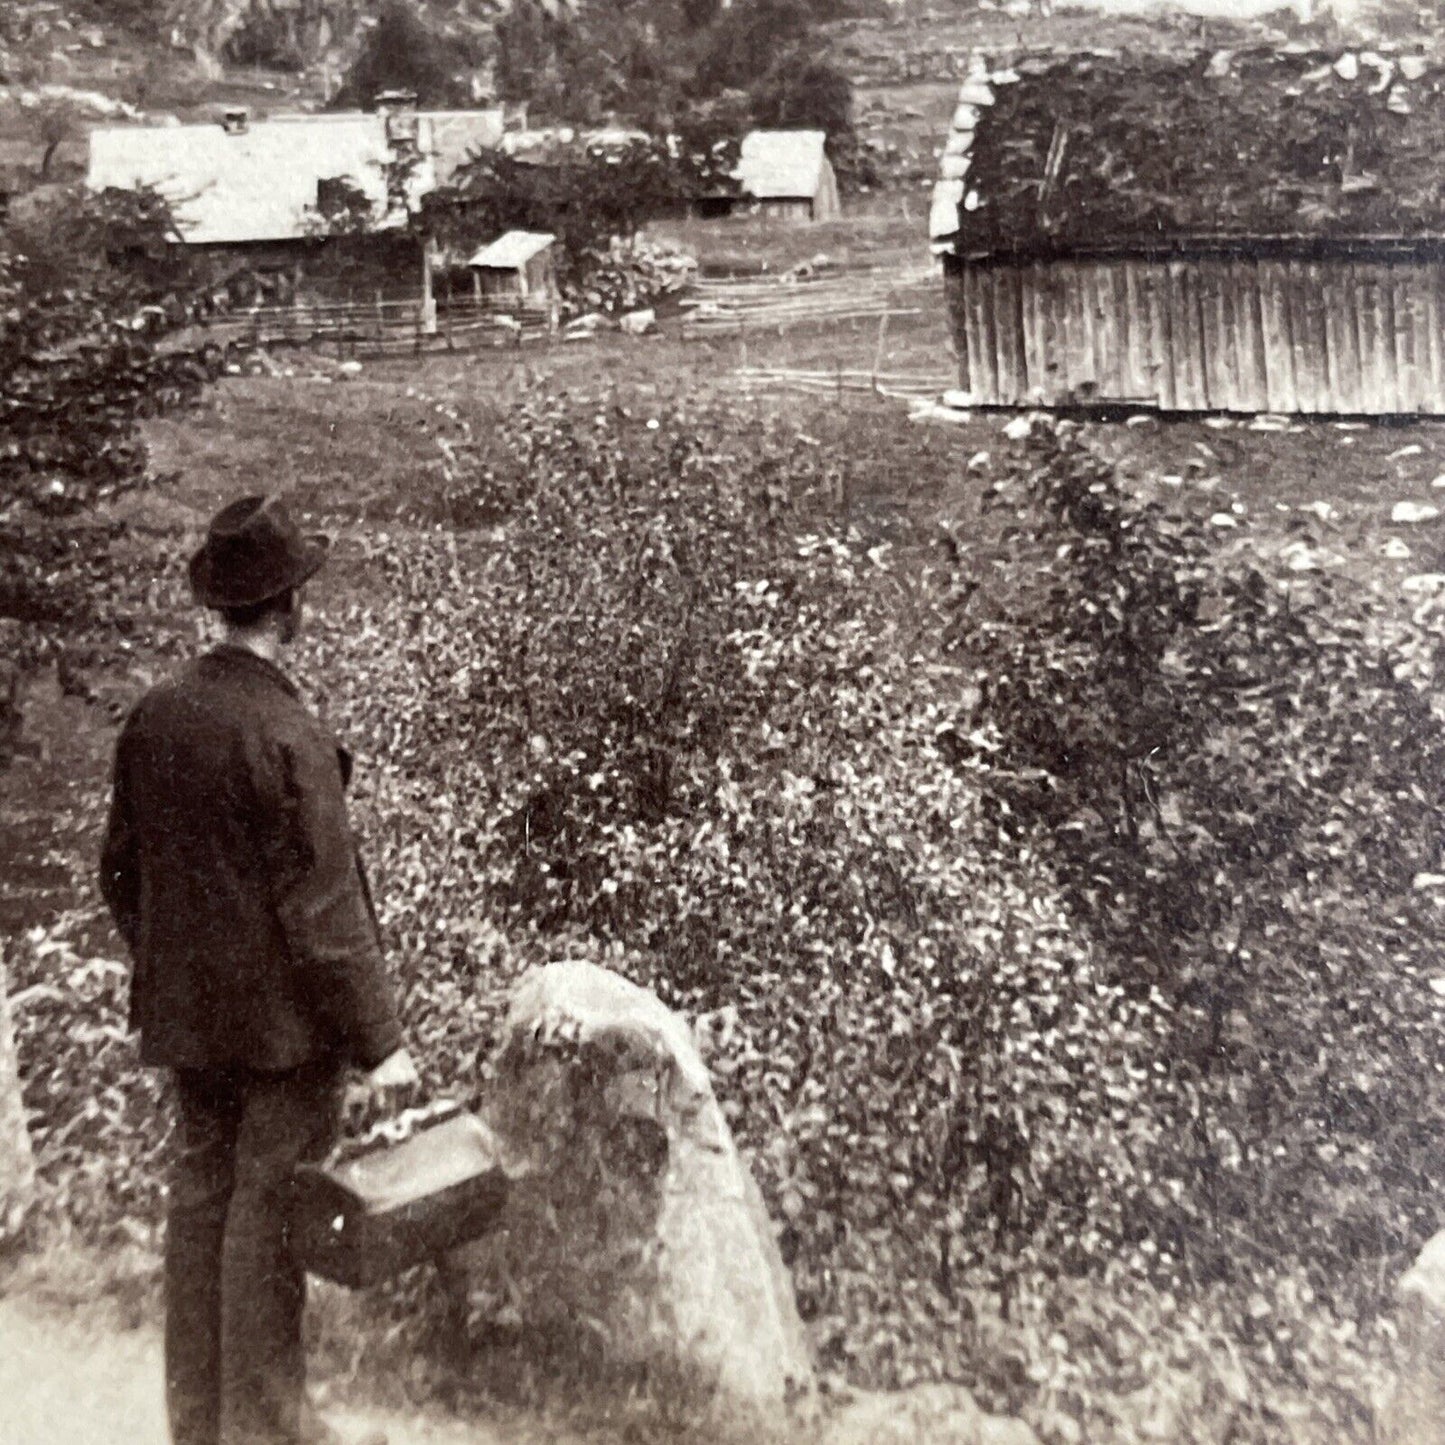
column 1417, row 1413
column 632, row 1217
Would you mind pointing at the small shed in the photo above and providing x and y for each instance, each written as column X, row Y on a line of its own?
column 518, row 268
column 784, row 174
column 1246, row 231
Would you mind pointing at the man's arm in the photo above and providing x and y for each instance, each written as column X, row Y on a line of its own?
column 321, row 902
column 119, row 860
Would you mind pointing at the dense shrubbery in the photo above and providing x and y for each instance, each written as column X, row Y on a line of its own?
column 1053, row 905
column 80, row 363
column 593, row 198
column 1237, row 783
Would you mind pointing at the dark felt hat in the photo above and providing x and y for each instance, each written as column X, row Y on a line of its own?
column 253, row 552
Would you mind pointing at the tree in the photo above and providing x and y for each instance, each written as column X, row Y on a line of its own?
column 745, row 41
column 582, row 196
column 54, row 124
column 401, row 52
column 801, row 92
column 342, row 208
column 89, row 285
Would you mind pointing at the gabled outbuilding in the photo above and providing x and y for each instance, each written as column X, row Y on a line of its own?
column 1261, row 230
column 518, row 268
column 784, row 174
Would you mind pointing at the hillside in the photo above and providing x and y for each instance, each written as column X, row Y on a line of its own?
column 67, row 65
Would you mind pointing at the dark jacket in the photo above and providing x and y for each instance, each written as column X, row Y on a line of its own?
column 231, row 873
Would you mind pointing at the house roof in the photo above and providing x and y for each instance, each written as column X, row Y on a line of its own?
column 260, row 184
column 781, row 164
column 512, row 250
column 451, row 137
column 255, row 185
column 1138, row 151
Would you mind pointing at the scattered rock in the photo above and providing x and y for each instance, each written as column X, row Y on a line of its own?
column 632, row 1214
column 350, row 368
column 1395, row 550
column 587, row 325
column 639, row 323
column 1301, row 557
column 1413, row 512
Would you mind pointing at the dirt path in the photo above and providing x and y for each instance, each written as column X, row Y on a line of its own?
column 77, row 1382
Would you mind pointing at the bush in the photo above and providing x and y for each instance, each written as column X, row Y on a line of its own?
column 88, row 286
column 1236, row 781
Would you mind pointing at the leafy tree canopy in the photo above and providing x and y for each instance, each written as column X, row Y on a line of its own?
column 401, row 52
column 88, row 287
column 799, row 92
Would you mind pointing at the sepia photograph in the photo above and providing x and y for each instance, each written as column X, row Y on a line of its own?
column 722, row 722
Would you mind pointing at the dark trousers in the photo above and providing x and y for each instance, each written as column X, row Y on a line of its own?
column 235, row 1369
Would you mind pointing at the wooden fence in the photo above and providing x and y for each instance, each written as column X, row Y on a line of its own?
column 378, row 328
column 712, row 308
column 730, row 308
column 1334, row 335
column 840, row 380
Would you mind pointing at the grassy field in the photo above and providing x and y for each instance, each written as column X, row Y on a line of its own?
column 372, row 447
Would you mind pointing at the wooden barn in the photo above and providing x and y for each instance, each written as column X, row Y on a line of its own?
column 518, row 269
column 782, row 174
column 1252, row 231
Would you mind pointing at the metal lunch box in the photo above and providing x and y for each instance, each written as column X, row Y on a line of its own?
column 397, row 1204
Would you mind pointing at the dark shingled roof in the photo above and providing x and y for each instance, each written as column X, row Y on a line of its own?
column 1137, row 151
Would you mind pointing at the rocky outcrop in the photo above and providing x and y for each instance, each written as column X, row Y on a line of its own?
column 1416, row 1415
column 632, row 1216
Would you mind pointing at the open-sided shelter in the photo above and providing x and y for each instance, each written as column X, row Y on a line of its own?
column 518, row 269
column 1261, row 230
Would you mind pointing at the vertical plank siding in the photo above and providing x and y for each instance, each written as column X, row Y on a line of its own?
column 1222, row 333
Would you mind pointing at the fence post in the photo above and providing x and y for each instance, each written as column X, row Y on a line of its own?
column 878, row 350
